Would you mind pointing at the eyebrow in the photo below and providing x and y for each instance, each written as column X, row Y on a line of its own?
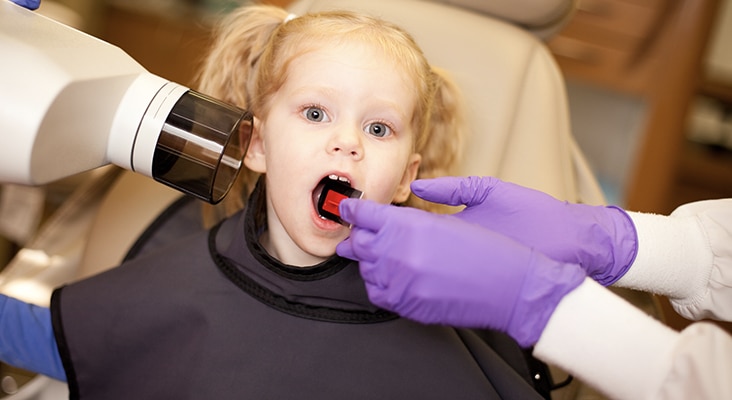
column 392, row 108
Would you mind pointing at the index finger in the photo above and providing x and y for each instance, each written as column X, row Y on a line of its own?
column 365, row 214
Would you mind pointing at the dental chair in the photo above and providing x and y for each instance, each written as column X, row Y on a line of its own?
column 516, row 106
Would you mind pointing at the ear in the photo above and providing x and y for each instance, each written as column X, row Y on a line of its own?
column 254, row 158
column 410, row 174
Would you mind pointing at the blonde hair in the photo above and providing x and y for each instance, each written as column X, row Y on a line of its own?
column 254, row 46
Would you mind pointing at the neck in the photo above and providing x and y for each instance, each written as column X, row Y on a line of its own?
column 285, row 250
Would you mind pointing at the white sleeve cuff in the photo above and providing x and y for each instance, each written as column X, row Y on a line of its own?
column 714, row 260
column 674, row 258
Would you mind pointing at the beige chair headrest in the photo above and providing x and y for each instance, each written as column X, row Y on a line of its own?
column 544, row 18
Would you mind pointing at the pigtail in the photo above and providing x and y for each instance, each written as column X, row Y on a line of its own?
column 231, row 64
column 441, row 142
column 229, row 73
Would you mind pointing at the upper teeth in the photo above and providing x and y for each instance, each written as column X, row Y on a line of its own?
column 339, row 178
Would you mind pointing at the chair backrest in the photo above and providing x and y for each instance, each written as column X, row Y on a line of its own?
column 543, row 18
column 515, row 93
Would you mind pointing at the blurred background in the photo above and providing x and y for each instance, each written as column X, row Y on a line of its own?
column 649, row 83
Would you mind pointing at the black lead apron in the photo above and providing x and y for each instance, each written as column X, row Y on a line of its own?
column 213, row 316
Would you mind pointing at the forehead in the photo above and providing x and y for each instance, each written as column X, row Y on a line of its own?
column 355, row 75
column 328, row 58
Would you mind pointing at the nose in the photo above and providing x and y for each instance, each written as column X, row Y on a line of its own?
column 347, row 142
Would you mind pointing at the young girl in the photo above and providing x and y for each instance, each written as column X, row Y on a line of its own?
column 259, row 306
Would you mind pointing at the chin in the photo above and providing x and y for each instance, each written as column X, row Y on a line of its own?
column 322, row 248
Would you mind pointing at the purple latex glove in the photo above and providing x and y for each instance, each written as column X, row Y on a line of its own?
column 29, row 4
column 602, row 240
column 439, row 269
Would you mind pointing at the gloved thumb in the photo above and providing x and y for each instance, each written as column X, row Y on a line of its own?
column 455, row 191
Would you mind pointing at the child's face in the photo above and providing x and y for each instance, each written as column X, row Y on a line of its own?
column 343, row 110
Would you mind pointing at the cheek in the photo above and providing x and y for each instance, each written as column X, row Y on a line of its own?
column 281, row 141
column 286, row 153
column 382, row 193
column 385, row 177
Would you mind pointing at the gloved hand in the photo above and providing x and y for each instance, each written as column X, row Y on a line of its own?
column 29, row 4
column 602, row 240
column 439, row 269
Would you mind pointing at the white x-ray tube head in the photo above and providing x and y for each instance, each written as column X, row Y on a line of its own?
column 70, row 102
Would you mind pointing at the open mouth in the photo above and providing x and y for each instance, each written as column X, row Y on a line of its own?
column 329, row 193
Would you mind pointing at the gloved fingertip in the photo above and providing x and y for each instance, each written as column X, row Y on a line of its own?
column 345, row 208
column 422, row 185
column 438, row 190
column 345, row 249
column 419, row 185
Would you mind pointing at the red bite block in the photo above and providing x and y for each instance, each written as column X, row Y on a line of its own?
column 332, row 200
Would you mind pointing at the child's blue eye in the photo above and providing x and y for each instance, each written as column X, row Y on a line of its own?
column 314, row 114
column 378, row 129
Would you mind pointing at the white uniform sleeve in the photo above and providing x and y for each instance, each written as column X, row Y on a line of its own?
column 611, row 345
column 701, row 365
column 687, row 257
